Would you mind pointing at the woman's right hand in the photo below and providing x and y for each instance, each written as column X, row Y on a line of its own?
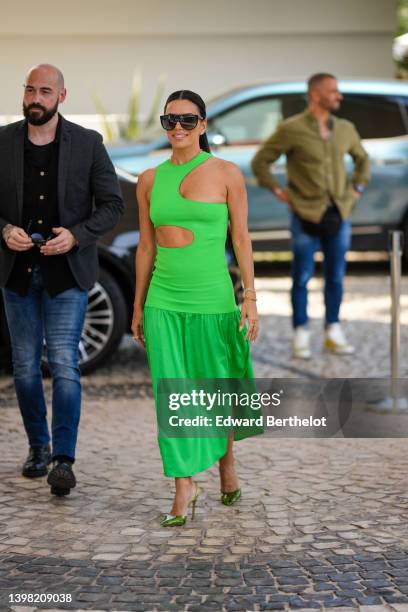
column 137, row 326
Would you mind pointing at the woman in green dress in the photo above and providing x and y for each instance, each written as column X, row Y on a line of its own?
column 185, row 313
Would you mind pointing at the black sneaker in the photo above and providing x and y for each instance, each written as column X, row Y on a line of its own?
column 37, row 462
column 61, row 478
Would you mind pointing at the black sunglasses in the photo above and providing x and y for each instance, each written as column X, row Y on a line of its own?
column 188, row 121
column 39, row 239
column 36, row 237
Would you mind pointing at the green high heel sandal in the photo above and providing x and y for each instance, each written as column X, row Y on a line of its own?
column 230, row 497
column 171, row 520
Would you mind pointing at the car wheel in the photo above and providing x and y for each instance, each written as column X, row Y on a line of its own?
column 105, row 323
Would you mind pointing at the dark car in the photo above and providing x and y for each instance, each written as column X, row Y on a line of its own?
column 110, row 301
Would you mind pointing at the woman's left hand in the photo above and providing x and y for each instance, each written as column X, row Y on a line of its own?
column 249, row 314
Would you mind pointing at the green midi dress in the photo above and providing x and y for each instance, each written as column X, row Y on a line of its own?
column 190, row 317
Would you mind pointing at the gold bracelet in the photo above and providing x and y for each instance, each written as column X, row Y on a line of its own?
column 246, row 297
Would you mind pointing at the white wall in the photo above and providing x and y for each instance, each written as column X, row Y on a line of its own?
column 207, row 46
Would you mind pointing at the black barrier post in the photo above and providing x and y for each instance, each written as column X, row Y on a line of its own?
column 395, row 248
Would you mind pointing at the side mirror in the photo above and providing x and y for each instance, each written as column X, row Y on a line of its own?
column 216, row 139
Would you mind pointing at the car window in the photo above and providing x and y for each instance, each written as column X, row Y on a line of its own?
column 373, row 116
column 255, row 121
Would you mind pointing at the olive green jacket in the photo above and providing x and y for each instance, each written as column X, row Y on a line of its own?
column 316, row 172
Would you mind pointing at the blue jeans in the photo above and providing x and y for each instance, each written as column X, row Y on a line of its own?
column 334, row 250
column 59, row 320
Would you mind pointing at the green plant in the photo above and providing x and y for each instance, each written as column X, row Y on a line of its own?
column 133, row 128
column 402, row 17
column 101, row 110
column 157, row 101
column 402, row 28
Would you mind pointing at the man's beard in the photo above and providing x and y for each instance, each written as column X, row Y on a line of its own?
column 332, row 107
column 35, row 118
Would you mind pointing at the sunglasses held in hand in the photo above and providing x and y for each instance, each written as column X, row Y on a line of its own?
column 38, row 239
column 188, row 121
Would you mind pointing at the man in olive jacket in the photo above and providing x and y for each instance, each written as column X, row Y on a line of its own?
column 58, row 194
column 320, row 197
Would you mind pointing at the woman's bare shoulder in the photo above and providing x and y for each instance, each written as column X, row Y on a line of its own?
column 145, row 179
column 226, row 166
column 231, row 171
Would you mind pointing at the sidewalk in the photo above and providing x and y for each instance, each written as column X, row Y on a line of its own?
column 322, row 524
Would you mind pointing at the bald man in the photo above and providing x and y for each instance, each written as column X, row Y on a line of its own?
column 58, row 195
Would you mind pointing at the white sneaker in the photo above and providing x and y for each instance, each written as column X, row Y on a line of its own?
column 336, row 342
column 301, row 343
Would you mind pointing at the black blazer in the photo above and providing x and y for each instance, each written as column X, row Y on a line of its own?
column 89, row 199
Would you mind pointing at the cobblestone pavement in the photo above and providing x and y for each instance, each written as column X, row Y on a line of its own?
column 322, row 524
column 366, row 316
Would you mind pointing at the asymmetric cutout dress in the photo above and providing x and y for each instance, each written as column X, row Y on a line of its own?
column 190, row 317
